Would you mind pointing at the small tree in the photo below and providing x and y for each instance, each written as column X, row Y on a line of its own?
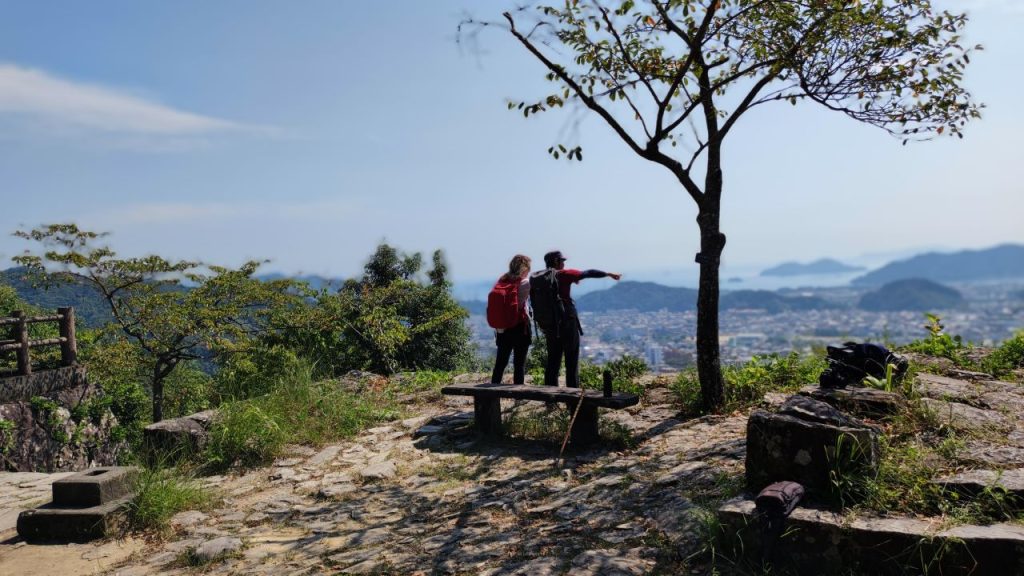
column 172, row 311
column 668, row 72
column 386, row 321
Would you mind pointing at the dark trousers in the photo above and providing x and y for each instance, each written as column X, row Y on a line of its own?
column 565, row 343
column 514, row 340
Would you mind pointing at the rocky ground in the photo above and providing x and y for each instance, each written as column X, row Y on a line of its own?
column 424, row 496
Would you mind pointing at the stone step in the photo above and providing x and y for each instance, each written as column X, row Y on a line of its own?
column 94, row 487
column 823, row 542
column 973, row 483
column 51, row 524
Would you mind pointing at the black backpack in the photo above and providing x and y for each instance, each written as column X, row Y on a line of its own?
column 854, row 362
column 546, row 303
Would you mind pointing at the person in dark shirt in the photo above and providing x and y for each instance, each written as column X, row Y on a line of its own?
column 565, row 341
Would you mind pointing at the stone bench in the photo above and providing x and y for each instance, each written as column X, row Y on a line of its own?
column 487, row 405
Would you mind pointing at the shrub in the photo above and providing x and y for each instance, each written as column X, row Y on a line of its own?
column 115, row 365
column 6, row 436
column 623, row 371
column 747, row 383
column 388, row 321
column 938, row 343
column 1008, row 357
column 255, row 371
column 243, row 435
column 187, row 390
column 627, row 367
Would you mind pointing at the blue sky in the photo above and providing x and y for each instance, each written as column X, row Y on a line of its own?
column 307, row 132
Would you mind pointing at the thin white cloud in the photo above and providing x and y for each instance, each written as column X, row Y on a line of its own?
column 38, row 95
column 318, row 211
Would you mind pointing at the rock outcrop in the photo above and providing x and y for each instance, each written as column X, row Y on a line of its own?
column 39, row 434
column 809, row 442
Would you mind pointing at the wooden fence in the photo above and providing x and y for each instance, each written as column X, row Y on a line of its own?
column 21, row 344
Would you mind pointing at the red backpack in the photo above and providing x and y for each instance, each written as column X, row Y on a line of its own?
column 503, row 305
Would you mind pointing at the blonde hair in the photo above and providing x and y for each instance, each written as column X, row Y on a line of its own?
column 517, row 266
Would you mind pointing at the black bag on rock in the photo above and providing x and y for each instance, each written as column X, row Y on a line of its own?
column 854, row 362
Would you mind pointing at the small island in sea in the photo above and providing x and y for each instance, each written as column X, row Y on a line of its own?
column 823, row 266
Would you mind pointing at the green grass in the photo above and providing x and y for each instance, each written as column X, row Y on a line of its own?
column 546, row 424
column 243, row 435
column 940, row 344
column 1008, row 357
column 916, row 447
column 624, row 372
column 297, row 411
column 550, row 425
column 429, row 382
column 160, row 493
column 747, row 383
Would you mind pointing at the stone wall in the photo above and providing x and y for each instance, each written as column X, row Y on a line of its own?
column 45, row 383
column 37, row 431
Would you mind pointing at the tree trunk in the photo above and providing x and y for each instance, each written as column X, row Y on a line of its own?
column 160, row 371
column 158, row 396
column 712, row 241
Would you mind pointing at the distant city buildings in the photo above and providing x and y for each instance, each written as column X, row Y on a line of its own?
column 654, row 356
column 667, row 340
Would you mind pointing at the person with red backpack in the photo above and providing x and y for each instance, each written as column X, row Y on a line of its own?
column 555, row 314
column 506, row 313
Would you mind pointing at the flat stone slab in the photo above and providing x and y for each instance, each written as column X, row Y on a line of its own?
column 637, row 561
column 965, row 417
column 49, row 523
column 946, row 388
column 973, row 482
column 94, row 486
column 822, row 542
column 188, row 433
column 380, row 470
column 216, row 549
column 985, row 394
column 859, row 401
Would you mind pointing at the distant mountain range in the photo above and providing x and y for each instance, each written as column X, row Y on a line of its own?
column 640, row 296
column 315, row 282
column 650, row 297
column 823, row 266
column 90, row 307
column 998, row 263
column 912, row 294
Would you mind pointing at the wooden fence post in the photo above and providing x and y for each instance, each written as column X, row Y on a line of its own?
column 21, row 337
column 68, row 346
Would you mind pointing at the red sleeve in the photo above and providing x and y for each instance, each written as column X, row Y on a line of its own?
column 570, row 275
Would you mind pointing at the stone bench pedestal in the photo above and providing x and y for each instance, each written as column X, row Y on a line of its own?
column 88, row 505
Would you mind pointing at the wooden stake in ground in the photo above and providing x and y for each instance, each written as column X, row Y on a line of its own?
column 572, row 421
column 607, row 392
